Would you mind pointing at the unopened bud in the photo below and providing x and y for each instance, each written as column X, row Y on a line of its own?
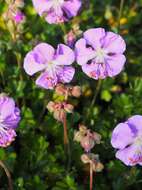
column 76, row 91
column 51, row 106
column 87, row 143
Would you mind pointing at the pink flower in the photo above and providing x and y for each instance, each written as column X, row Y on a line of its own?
column 57, row 11
column 54, row 64
column 19, row 17
column 100, row 53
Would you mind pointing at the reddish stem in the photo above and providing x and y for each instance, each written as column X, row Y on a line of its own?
column 7, row 174
column 91, row 177
column 66, row 140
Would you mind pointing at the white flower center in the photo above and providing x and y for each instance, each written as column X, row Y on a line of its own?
column 138, row 140
column 100, row 55
column 57, row 3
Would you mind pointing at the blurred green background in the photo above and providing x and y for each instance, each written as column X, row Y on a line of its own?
column 36, row 158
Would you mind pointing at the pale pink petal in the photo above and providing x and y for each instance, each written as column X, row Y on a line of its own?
column 66, row 74
column 83, row 54
column 115, row 64
column 122, row 136
column 37, row 59
column 94, row 37
column 114, row 43
column 130, row 156
column 64, row 55
column 71, row 7
column 46, row 80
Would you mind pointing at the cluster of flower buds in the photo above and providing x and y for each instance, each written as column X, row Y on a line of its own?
column 87, row 138
column 66, row 91
column 72, row 35
column 59, row 109
column 13, row 16
column 14, row 11
column 93, row 160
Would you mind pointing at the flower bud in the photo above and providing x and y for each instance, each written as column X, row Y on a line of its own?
column 61, row 90
column 68, row 108
column 76, row 91
column 59, row 115
column 78, row 136
column 87, row 143
column 51, row 106
column 85, row 159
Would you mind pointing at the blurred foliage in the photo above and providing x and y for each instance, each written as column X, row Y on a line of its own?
column 36, row 159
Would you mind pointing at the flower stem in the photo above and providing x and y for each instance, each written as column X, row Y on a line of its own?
column 91, row 177
column 7, row 174
column 97, row 92
column 120, row 13
column 66, row 140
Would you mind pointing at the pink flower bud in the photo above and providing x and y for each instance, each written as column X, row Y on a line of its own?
column 51, row 106
column 59, row 115
column 87, row 143
column 68, row 108
column 19, row 17
column 76, row 91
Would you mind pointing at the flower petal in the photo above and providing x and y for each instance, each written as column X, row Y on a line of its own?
column 66, row 74
column 115, row 64
column 12, row 120
column 43, row 6
column 65, row 55
column 114, row 43
column 94, row 37
column 37, row 59
column 122, row 136
column 46, row 80
column 83, row 54
column 135, row 123
column 7, row 107
column 6, row 137
column 95, row 71
column 71, row 8
column 130, row 156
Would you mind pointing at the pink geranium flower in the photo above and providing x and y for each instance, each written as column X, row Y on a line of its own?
column 100, row 53
column 57, row 11
column 54, row 64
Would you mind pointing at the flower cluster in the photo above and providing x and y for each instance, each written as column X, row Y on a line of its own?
column 57, row 11
column 87, row 138
column 93, row 160
column 127, row 138
column 54, row 64
column 97, row 52
column 14, row 13
column 66, row 91
column 9, row 119
column 59, row 109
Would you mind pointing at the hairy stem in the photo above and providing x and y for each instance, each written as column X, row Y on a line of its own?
column 91, row 177
column 7, row 174
column 97, row 92
column 120, row 13
column 66, row 140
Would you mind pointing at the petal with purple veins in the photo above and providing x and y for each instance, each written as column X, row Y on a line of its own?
column 122, row 136
column 64, row 55
column 94, row 37
column 71, row 7
column 46, row 80
column 66, row 74
column 83, row 54
column 115, row 64
column 130, row 156
column 114, row 43
column 37, row 59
